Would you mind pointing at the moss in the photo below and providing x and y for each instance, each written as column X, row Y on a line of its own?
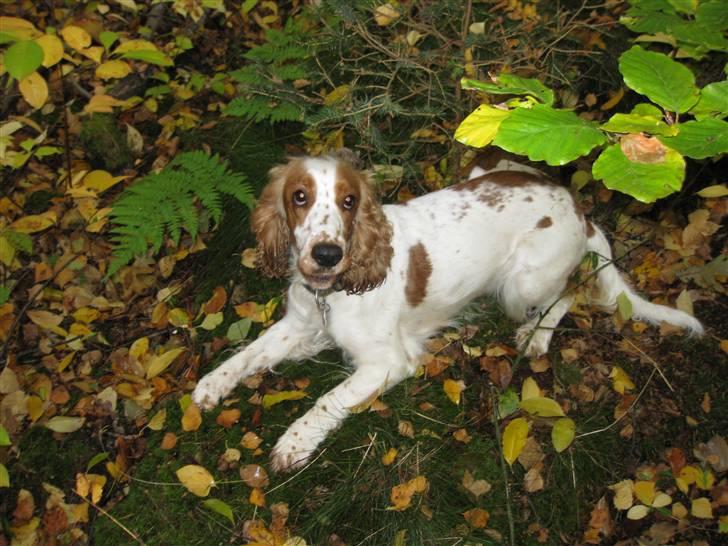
column 105, row 144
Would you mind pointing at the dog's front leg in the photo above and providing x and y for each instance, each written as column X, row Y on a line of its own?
column 288, row 338
column 295, row 447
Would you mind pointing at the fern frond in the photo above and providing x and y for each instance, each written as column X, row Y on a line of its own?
column 167, row 203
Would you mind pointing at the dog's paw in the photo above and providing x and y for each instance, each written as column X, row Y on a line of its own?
column 292, row 451
column 211, row 389
column 533, row 343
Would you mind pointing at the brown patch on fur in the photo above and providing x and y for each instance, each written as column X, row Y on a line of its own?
column 419, row 270
column 297, row 179
column 544, row 222
column 528, row 199
column 370, row 234
column 590, row 229
column 516, row 179
column 348, row 182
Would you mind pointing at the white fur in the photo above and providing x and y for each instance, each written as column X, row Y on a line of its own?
column 479, row 241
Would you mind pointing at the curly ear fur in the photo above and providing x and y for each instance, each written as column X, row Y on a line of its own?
column 269, row 225
column 370, row 248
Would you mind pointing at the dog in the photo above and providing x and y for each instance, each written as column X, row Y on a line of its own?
column 378, row 281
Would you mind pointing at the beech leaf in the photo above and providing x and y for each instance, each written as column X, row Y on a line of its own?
column 270, row 400
column 514, row 438
column 65, row 424
column 563, row 434
column 159, row 363
column 220, row 507
column 196, row 479
column 542, row 407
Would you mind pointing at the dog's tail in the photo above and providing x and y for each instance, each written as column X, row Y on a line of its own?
column 611, row 285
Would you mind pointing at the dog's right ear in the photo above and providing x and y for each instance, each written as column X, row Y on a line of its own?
column 269, row 225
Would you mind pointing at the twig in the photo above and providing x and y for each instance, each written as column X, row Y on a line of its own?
column 296, row 474
column 509, row 511
column 366, row 454
column 123, row 527
column 653, row 362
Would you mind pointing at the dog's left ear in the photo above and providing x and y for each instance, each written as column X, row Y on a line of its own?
column 269, row 225
column 370, row 247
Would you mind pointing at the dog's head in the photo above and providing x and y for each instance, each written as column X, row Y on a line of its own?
column 320, row 216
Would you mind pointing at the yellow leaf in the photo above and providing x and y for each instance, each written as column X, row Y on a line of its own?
column 688, row 476
column 196, row 479
column 645, row 491
column 251, row 440
column 620, row 380
column 453, row 389
column 337, row 95
column 34, row 90
column 159, row 363
column 661, row 500
column 679, row 511
column 76, row 37
column 638, row 511
column 719, row 190
column 179, row 317
column 385, row 15
column 480, row 127
column 530, row 389
column 35, row 407
column 139, row 348
column 157, row 422
column 563, row 434
column 52, row 49
column 542, row 407
column 63, row 364
column 191, row 419
column 134, row 45
column 389, row 456
column 113, row 69
column 700, row 508
column 100, row 181
column 82, row 485
column 705, row 479
column 249, row 258
column 65, row 424
column 623, row 498
column 47, row 321
column 401, row 495
column 86, row 314
column 94, row 53
column 273, row 399
column 102, row 104
column 20, row 29
column 514, row 438
column 257, row 497
column 7, row 251
column 34, row 223
column 212, row 321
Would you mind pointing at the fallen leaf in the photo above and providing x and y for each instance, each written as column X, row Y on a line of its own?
column 389, row 456
column 712, row 192
column 76, row 37
column 637, row 512
column 476, row 487
column 191, row 419
column 34, row 222
column 65, row 424
column 385, row 15
column 461, row 435
column 563, row 434
column 477, row 518
column 623, row 494
column 644, row 491
column 406, row 429
column 533, row 480
column 251, row 440
column 254, row 475
column 196, row 479
column 270, row 400
column 453, row 389
column 113, row 69
column 621, row 382
column 701, row 508
column 227, row 418
column 34, row 89
column 514, row 438
column 542, row 407
column 159, row 363
column 157, row 422
column 402, row 494
column 169, row 441
column 257, row 497
column 220, row 507
column 530, row 389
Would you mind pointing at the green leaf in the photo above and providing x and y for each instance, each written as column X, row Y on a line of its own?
column 4, row 476
column 713, row 100
column 108, row 38
column 23, row 58
column 4, row 295
column 4, row 437
column 96, row 459
column 624, row 306
column 65, row 424
column 563, row 434
column 684, row 6
column 664, row 81
column 19, row 241
column 219, row 507
column 646, row 182
column 546, row 134
column 238, row 331
column 509, row 84
column 700, row 139
column 507, row 403
column 635, row 123
column 480, row 127
column 152, row 56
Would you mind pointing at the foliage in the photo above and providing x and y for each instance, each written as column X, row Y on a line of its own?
column 165, row 203
column 645, row 147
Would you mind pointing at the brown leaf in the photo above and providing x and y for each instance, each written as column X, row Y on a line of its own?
column 676, row 458
column 406, row 429
column 476, row 487
column 477, row 518
column 251, row 440
column 257, row 498
column 642, row 149
column 254, row 475
column 227, row 418
column 169, row 441
column 401, row 495
column 24, row 508
column 192, row 419
column 216, row 301
column 533, row 480
column 498, row 369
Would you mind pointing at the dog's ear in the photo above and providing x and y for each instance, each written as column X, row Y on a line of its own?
column 370, row 247
column 269, row 225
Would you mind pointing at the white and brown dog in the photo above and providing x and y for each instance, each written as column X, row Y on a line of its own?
column 379, row 280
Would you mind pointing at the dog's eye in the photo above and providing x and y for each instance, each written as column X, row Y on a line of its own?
column 349, row 202
column 299, row 198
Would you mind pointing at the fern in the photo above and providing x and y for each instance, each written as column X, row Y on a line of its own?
column 275, row 65
column 166, row 203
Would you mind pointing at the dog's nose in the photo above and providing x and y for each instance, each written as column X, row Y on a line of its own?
column 327, row 255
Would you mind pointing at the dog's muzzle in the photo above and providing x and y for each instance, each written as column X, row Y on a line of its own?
column 327, row 255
